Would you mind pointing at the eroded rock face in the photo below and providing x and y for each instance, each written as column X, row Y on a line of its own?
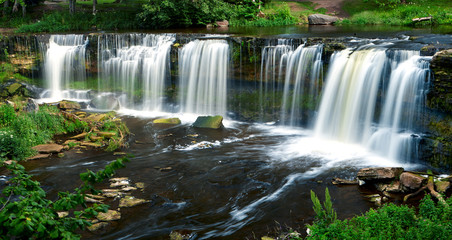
column 321, row 19
column 379, row 173
column 440, row 93
column 411, row 181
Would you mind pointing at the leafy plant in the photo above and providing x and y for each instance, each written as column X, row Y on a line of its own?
column 31, row 215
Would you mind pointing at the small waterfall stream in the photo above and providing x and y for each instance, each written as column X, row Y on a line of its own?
column 203, row 69
column 65, row 63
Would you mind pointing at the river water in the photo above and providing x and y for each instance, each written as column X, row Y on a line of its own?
column 251, row 177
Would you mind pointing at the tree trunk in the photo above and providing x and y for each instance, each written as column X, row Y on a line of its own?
column 5, row 7
column 16, row 6
column 72, row 6
column 24, row 10
column 94, row 7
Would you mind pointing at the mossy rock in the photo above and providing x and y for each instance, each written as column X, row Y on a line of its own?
column 173, row 121
column 65, row 105
column 13, row 88
column 213, row 122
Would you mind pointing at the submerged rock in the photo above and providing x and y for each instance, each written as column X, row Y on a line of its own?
column 214, row 122
column 321, row 19
column 39, row 156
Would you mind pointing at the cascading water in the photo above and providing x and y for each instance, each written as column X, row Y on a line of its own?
column 350, row 98
column 65, row 63
column 137, row 67
column 296, row 73
column 303, row 72
column 203, row 70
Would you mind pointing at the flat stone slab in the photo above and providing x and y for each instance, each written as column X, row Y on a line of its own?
column 39, row 156
column 173, row 121
column 48, row 148
column 379, row 173
column 214, row 122
column 129, row 201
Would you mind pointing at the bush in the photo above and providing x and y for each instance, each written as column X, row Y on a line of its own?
column 388, row 222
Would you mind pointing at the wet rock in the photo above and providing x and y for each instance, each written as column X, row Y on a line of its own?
column 31, row 106
column 110, row 215
column 339, row 181
column 39, row 156
column 48, row 148
column 321, row 19
column 60, row 155
column 90, row 200
column 439, row 96
column 98, row 197
column 442, row 186
column 119, row 179
column 98, row 226
column 124, row 183
column 128, row 189
column 411, row 181
column 172, row 121
column 119, row 153
column 68, row 105
column 214, row 122
column 62, row 214
column 182, row 235
column 15, row 88
column 379, row 173
column 129, row 201
column 112, row 193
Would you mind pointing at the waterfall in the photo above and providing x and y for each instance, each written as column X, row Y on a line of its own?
column 64, row 65
column 297, row 74
column 350, row 104
column 303, row 72
column 203, row 68
column 136, row 66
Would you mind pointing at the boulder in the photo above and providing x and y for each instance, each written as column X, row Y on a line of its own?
column 393, row 187
column 223, row 23
column 110, row 215
column 31, row 106
column 214, row 122
column 411, row 181
column 48, row 148
column 174, row 121
column 321, row 19
column 379, row 173
column 68, row 105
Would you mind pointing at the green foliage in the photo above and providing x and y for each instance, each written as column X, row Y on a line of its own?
column 19, row 132
column 183, row 13
column 63, row 21
column 276, row 16
column 33, row 216
column 398, row 14
column 324, row 214
column 388, row 222
column 386, row 3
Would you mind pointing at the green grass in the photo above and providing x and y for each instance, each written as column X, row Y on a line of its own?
column 368, row 13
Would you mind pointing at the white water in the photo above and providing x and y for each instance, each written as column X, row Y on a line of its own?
column 64, row 64
column 302, row 82
column 350, row 100
column 297, row 73
column 136, row 67
column 203, row 71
